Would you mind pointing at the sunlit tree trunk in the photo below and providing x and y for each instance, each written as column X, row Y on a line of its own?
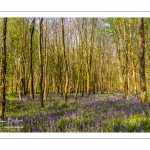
column 134, row 80
column 143, row 90
column 46, row 63
column 133, row 61
column 3, row 70
column 31, row 59
column 77, row 84
column 21, row 80
column 41, row 62
column 88, row 57
column 126, row 54
column 65, row 62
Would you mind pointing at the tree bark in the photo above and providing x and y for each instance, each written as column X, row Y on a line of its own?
column 46, row 62
column 3, row 71
column 144, row 99
column 22, row 81
column 65, row 61
column 41, row 63
column 31, row 59
column 126, row 55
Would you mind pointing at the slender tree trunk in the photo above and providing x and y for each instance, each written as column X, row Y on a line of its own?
column 46, row 59
column 126, row 81
column 65, row 61
column 41, row 63
column 144, row 99
column 134, row 81
column 3, row 70
column 31, row 61
column 134, row 78
column 22, row 64
column 77, row 85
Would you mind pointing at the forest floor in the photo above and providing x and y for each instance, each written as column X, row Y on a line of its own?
column 95, row 113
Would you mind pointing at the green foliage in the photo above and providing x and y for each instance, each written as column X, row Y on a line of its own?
column 11, row 96
column 82, row 123
column 134, row 123
column 62, row 105
column 63, row 123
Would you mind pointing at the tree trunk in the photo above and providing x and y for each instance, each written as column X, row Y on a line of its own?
column 77, row 84
column 134, row 81
column 22, row 63
column 31, row 61
column 3, row 70
column 41, row 63
column 46, row 59
column 65, row 61
column 126, row 55
column 144, row 99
